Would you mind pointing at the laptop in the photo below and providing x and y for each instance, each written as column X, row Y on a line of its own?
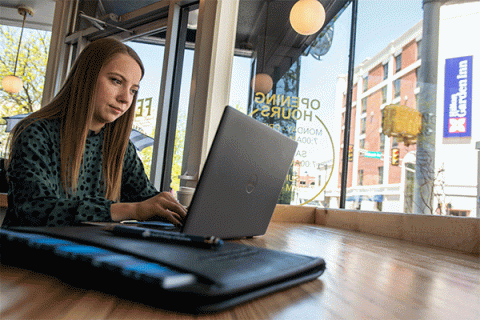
column 241, row 180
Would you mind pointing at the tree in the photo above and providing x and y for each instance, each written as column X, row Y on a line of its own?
column 31, row 67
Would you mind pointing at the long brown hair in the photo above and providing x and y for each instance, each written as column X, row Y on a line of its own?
column 74, row 106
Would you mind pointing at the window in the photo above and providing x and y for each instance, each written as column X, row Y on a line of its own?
column 304, row 79
column 419, row 49
column 417, row 83
column 364, row 105
column 363, row 125
column 398, row 63
column 300, row 93
column 295, row 105
column 396, row 88
column 362, row 143
column 380, row 175
column 147, row 101
column 384, row 94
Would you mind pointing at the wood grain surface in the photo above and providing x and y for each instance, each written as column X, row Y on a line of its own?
column 367, row 277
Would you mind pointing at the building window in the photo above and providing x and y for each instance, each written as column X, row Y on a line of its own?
column 365, row 83
column 363, row 125
column 362, row 143
column 396, row 88
column 419, row 48
column 417, row 83
column 360, row 177
column 385, row 71
column 384, row 94
column 398, row 63
column 380, row 175
column 364, row 105
column 382, row 141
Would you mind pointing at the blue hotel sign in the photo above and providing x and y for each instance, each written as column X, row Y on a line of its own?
column 458, row 97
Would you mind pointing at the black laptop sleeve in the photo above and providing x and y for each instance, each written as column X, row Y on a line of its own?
column 170, row 276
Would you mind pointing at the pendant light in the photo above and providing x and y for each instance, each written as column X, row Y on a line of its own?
column 14, row 84
column 307, row 16
column 263, row 82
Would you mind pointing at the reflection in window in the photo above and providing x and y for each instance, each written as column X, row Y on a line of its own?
column 385, row 71
column 360, row 177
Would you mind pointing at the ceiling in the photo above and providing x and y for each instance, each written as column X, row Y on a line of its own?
column 42, row 18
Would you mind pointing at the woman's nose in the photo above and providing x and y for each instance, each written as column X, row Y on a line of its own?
column 124, row 96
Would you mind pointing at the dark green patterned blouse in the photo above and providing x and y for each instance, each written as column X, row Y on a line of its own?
column 36, row 196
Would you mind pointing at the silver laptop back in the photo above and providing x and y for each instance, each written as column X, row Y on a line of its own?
column 242, row 178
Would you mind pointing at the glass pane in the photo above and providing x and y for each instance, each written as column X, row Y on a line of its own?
column 151, row 50
column 147, row 102
column 411, row 111
column 425, row 112
column 182, row 119
column 300, row 103
column 386, row 54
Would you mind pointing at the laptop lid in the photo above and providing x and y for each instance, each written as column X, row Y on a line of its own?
column 241, row 180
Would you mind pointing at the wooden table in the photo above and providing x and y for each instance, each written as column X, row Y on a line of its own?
column 367, row 277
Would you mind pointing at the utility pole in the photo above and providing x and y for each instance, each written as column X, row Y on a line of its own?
column 425, row 163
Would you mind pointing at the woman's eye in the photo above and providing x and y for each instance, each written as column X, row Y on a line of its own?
column 117, row 81
column 133, row 91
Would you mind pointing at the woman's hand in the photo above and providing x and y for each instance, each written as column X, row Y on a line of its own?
column 163, row 206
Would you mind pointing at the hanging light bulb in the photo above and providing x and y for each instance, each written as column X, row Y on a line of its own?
column 262, row 83
column 307, row 16
column 14, row 84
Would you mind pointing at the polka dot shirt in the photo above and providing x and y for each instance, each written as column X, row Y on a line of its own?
column 36, row 196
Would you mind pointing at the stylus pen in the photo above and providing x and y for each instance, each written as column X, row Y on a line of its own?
column 166, row 236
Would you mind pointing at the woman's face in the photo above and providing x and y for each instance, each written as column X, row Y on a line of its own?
column 117, row 83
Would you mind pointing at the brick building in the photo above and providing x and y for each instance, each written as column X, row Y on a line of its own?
column 388, row 78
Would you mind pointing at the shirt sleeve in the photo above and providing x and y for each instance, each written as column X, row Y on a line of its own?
column 36, row 196
column 136, row 186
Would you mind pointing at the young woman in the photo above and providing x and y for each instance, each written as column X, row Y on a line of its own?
column 72, row 160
